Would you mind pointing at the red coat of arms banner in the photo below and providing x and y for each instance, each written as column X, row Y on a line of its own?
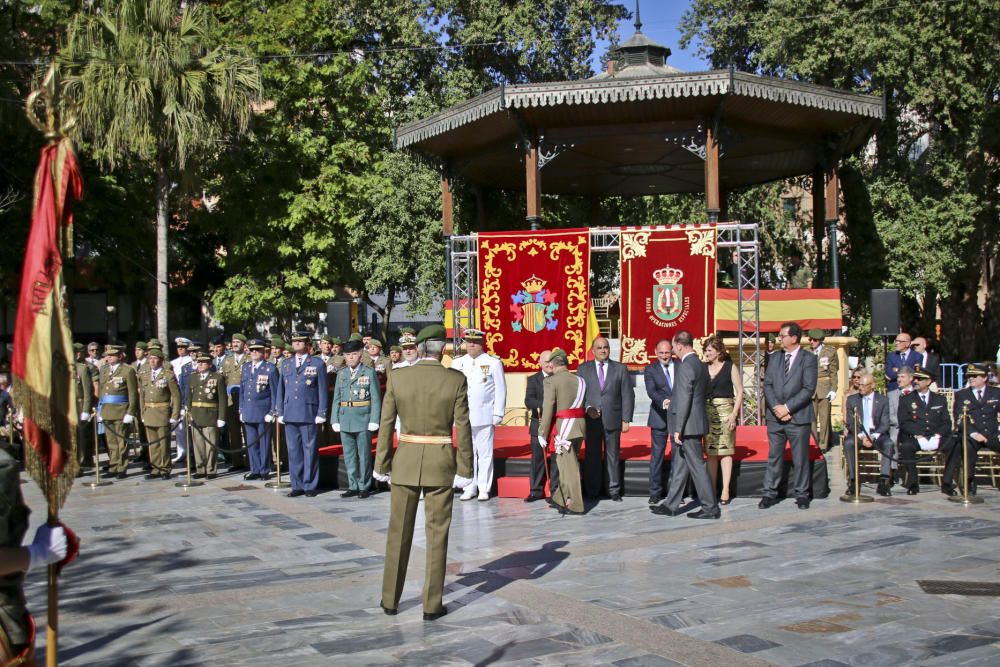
column 668, row 284
column 534, row 294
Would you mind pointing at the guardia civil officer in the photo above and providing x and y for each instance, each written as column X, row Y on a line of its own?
column 258, row 399
column 301, row 406
column 357, row 405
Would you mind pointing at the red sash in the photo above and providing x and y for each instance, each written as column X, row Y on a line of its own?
column 571, row 413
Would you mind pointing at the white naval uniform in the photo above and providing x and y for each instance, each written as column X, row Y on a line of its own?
column 487, row 403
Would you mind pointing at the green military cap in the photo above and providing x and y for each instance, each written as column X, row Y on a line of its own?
column 288, row 348
column 203, row 357
column 817, row 334
column 432, row 332
column 355, row 336
column 771, row 338
column 156, row 352
column 139, row 345
column 240, row 337
column 154, row 343
column 335, row 340
column 396, row 348
column 327, row 338
column 376, row 341
column 558, row 353
column 976, row 369
column 920, row 374
column 408, row 331
column 277, row 341
column 79, row 347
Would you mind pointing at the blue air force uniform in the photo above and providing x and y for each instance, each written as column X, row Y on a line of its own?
column 357, row 408
column 258, row 398
column 301, row 399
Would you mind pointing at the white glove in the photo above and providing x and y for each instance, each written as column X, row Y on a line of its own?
column 542, row 443
column 85, row 416
column 372, row 426
column 320, row 420
column 461, row 482
column 336, row 428
column 99, row 418
column 242, row 420
column 832, row 395
column 48, row 547
column 269, row 418
column 497, row 419
column 220, row 423
column 382, row 478
column 173, row 423
column 281, row 420
column 128, row 419
column 183, row 412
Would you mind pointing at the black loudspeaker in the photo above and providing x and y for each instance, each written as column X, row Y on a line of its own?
column 338, row 319
column 885, row 312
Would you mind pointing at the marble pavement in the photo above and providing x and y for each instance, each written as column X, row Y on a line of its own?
column 231, row 573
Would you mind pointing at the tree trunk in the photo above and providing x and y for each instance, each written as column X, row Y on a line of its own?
column 162, row 203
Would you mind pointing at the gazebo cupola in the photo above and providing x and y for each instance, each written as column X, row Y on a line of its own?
column 638, row 57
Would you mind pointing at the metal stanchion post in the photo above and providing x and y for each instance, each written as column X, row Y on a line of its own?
column 277, row 483
column 188, row 482
column 97, row 461
column 857, row 496
column 965, row 498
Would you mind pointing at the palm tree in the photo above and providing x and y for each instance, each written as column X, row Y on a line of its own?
column 149, row 84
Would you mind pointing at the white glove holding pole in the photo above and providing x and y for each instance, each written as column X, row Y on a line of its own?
column 128, row 419
column 48, row 547
column 220, row 423
column 832, row 395
column 242, row 420
column 269, row 418
column 320, row 420
column 99, row 418
column 542, row 443
column 372, row 426
column 281, row 420
column 84, row 416
column 382, row 478
column 461, row 482
column 336, row 428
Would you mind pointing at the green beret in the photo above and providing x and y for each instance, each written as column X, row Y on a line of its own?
column 408, row 331
column 240, row 337
column 327, row 338
column 396, row 348
column 335, row 340
column 558, row 353
column 355, row 336
column 156, row 352
column 816, row 334
column 140, row 345
column 288, row 348
column 432, row 332
column 277, row 341
column 376, row 341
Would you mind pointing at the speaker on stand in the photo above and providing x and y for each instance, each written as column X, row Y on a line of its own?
column 885, row 316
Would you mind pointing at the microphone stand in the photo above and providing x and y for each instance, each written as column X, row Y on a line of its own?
column 857, row 497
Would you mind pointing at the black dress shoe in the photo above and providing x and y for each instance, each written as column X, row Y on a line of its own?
column 726, row 501
column 388, row 611
column 122, row 475
column 364, row 494
column 972, row 488
column 533, row 498
column 913, row 490
column 295, row 493
column 165, row 475
column 616, row 497
column 152, row 476
column 310, row 494
column 350, row 493
column 663, row 510
column 883, row 487
column 949, row 490
column 655, row 500
column 435, row 615
column 850, row 489
column 251, row 476
column 766, row 502
column 198, row 475
column 802, row 503
column 211, row 475
column 702, row 514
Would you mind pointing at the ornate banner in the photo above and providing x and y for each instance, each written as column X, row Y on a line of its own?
column 534, row 294
column 668, row 284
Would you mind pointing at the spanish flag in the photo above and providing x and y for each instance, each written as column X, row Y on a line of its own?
column 593, row 331
column 42, row 364
column 811, row 308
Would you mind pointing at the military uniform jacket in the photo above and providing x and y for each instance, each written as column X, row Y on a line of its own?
column 429, row 400
column 827, row 371
column 160, row 397
column 487, row 387
column 119, row 383
column 141, row 368
column 982, row 414
column 13, row 525
column 561, row 391
column 919, row 420
column 206, row 401
column 258, row 391
column 360, row 389
column 84, row 388
column 302, row 394
column 232, row 370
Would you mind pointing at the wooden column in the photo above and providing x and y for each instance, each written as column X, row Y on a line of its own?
column 711, row 175
column 447, row 205
column 533, row 183
column 832, row 200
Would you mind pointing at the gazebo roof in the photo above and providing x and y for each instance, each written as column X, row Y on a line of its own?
column 623, row 134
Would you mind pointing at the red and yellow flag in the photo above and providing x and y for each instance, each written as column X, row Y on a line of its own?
column 811, row 308
column 42, row 364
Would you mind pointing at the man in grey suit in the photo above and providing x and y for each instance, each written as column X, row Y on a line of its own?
column 689, row 422
column 610, row 401
column 872, row 412
column 788, row 389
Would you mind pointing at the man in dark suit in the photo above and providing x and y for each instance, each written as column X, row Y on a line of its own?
column 872, row 412
column 982, row 408
column 610, row 401
column 930, row 360
column 539, row 457
column 659, row 381
column 903, row 355
column 689, row 424
column 924, row 425
column 789, row 385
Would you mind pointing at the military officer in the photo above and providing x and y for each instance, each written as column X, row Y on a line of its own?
column 119, row 405
column 141, row 367
column 355, row 412
column 395, row 355
column 337, row 350
column 408, row 341
column 827, row 376
column 325, row 435
column 277, row 351
column 487, row 404
column 429, row 400
column 563, row 423
column 84, row 404
column 924, row 425
column 160, row 398
column 982, row 408
column 232, row 370
column 366, row 358
column 258, row 395
column 206, row 407
column 301, row 405
column 140, row 351
column 183, row 380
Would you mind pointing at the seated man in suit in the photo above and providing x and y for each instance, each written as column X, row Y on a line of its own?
column 659, row 381
column 924, row 425
column 870, row 411
column 981, row 404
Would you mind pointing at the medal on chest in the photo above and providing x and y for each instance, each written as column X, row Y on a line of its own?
column 486, row 373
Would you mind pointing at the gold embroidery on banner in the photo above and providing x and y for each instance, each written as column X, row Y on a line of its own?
column 702, row 242
column 634, row 351
column 634, row 244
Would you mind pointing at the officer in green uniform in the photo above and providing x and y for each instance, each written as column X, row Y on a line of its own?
column 429, row 400
column 827, row 376
column 356, row 407
column 119, row 405
column 84, row 404
column 206, row 407
column 232, row 370
column 160, row 398
column 563, row 423
column 277, row 348
column 141, row 366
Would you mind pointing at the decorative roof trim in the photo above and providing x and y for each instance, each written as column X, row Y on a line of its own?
column 610, row 91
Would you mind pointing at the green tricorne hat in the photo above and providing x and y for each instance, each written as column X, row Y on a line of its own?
column 240, row 337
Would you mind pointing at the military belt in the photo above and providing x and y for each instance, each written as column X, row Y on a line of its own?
column 355, row 404
column 203, row 404
column 158, row 404
column 425, row 439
